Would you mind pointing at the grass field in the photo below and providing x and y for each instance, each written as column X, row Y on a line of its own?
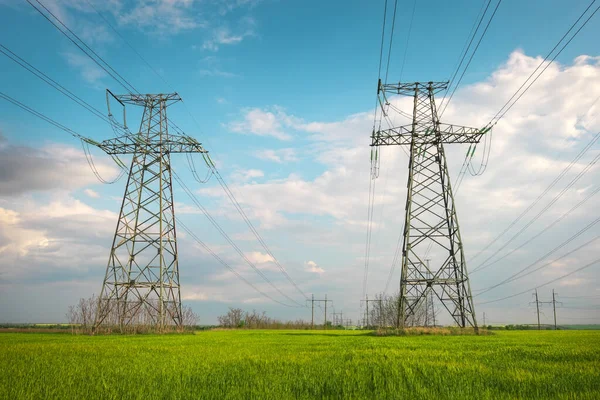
column 301, row 364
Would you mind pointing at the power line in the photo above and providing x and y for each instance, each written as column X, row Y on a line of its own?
column 556, row 221
column 128, row 44
column 471, row 58
column 51, row 82
column 544, row 284
column 497, row 117
column 466, row 47
column 387, row 69
column 42, row 116
column 253, row 229
column 541, row 195
column 520, row 275
column 225, row 264
column 408, row 38
column 195, row 200
column 81, row 44
column 84, row 140
column 542, row 211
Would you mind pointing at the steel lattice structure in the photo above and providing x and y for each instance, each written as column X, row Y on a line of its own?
column 431, row 221
column 141, row 285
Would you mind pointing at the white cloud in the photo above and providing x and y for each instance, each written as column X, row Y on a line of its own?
column 88, row 69
column 269, row 122
column 91, row 193
column 47, row 168
column 164, row 17
column 214, row 72
column 312, row 266
column 279, row 156
column 246, row 175
column 257, row 257
column 224, row 36
column 571, row 282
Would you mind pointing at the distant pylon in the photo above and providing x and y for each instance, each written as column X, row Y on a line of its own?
column 141, row 284
column 430, row 220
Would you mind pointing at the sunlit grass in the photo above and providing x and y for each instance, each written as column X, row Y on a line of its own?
column 301, row 364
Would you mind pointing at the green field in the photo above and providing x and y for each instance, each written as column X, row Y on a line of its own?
column 300, row 364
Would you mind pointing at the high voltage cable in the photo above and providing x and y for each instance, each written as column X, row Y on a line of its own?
column 42, row 116
column 544, row 284
column 520, row 274
column 51, row 82
column 556, row 221
column 225, row 264
column 194, row 199
column 387, row 69
column 541, row 195
column 471, row 58
column 394, row 261
column 466, row 47
column 253, row 229
column 542, row 211
column 497, row 117
column 84, row 140
column 371, row 177
column 408, row 38
column 127, row 43
column 79, row 43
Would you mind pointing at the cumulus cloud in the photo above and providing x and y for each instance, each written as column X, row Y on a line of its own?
column 51, row 167
column 224, row 36
column 91, row 193
column 245, row 175
column 279, row 156
column 163, row 17
column 265, row 122
column 312, row 266
column 91, row 72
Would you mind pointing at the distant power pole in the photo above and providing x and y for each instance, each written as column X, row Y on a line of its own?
column 367, row 301
column 537, row 306
column 312, row 301
column 554, row 307
column 484, row 325
column 339, row 319
column 312, row 314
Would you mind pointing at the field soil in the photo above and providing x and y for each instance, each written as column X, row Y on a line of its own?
column 301, row 365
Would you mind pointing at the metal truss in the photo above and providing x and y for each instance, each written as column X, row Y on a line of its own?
column 431, row 224
column 404, row 135
column 141, row 284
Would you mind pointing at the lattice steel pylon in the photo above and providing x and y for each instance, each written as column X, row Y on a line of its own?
column 431, row 220
column 141, row 285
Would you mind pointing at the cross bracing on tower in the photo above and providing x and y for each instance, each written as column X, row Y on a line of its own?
column 142, row 275
column 431, row 226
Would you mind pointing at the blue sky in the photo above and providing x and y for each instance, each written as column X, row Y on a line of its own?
column 282, row 92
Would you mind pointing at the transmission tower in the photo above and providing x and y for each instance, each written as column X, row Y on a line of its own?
column 431, row 220
column 141, row 284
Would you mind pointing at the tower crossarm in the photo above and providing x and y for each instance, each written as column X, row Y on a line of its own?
column 446, row 133
column 136, row 143
column 408, row 89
